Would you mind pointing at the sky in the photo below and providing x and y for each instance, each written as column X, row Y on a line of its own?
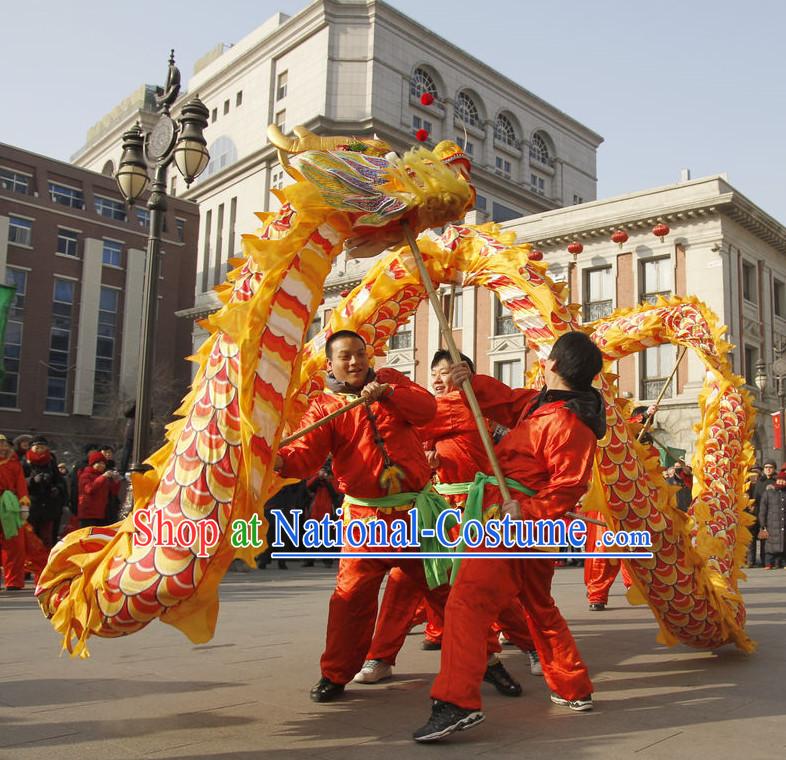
column 695, row 84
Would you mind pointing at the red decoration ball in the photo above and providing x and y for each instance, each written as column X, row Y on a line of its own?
column 620, row 237
column 536, row 255
column 344, row 293
column 421, row 135
column 661, row 230
column 426, row 98
column 575, row 248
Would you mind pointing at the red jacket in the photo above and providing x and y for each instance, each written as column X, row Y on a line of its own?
column 455, row 437
column 12, row 477
column 94, row 490
column 357, row 460
column 550, row 450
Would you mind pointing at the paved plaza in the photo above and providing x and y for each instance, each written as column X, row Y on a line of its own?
column 244, row 695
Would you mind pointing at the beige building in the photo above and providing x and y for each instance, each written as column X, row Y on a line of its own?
column 721, row 248
column 356, row 67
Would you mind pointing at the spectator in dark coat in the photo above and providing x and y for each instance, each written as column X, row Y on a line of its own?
column 772, row 516
column 752, row 508
column 47, row 491
column 113, row 507
column 765, row 482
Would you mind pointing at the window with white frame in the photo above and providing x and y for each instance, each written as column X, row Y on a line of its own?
column 402, row 338
column 108, row 309
column 143, row 218
column 539, row 149
column 15, row 181
column 503, row 319
column 657, row 279
column 281, row 119
column 180, row 224
column 12, row 349
column 110, row 208
column 59, row 345
column 779, row 297
column 502, row 167
column 750, row 290
column 509, row 372
column 467, row 110
column 598, row 293
column 112, row 253
column 504, row 131
column 457, row 301
column 20, row 231
column 226, row 107
column 465, row 145
column 66, row 196
column 223, row 153
column 281, row 85
column 537, row 183
column 239, row 98
column 277, row 178
column 422, row 82
column 657, row 363
column 67, row 242
column 418, row 123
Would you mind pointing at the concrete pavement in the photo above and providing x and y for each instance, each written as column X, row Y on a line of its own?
column 245, row 694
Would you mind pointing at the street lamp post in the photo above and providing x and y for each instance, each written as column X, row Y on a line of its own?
column 183, row 142
column 761, row 378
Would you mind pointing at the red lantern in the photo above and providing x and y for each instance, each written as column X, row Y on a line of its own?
column 536, row 255
column 344, row 293
column 426, row 98
column 421, row 135
column 575, row 248
column 620, row 237
column 661, row 230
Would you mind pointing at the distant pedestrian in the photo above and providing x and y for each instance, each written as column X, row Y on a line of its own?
column 96, row 483
column 47, row 491
column 772, row 516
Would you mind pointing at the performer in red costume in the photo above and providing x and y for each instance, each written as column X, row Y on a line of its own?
column 14, row 506
column 599, row 574
column 455, row 451
column 549, row 450
column 381, row 469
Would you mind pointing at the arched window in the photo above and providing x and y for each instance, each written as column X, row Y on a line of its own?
column 466, row 110
column 539, row 149
column 422, row 82
column 109, row 169
column 222, row 154
column 503, row 130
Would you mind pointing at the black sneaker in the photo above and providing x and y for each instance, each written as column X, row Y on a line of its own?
column 326, row 691
column 502, row 681
column 430, row 645
column 446, row 719
column 583, row 704
column 597, row 607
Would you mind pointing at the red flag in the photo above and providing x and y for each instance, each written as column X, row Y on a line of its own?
column 776, row 430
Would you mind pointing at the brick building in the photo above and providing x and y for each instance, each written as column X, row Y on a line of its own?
column 76, row 254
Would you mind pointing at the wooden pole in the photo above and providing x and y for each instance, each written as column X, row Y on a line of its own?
column 466, row 386
column 662, row 393
column 323, row 421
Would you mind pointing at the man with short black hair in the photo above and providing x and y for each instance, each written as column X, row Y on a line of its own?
column 547, row 457
column 380, row 466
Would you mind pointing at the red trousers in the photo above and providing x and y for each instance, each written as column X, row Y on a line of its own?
column 353, row 606
column 483, row 588
column 12, row 558
column 399, row 607
column 599, row 574
column 25, row 552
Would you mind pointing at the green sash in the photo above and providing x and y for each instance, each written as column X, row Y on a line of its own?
column 429, row 504
column 10, row 518
column 473, row 508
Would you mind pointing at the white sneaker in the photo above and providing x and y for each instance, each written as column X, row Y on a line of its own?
column 534, row 663
column 374, row 671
